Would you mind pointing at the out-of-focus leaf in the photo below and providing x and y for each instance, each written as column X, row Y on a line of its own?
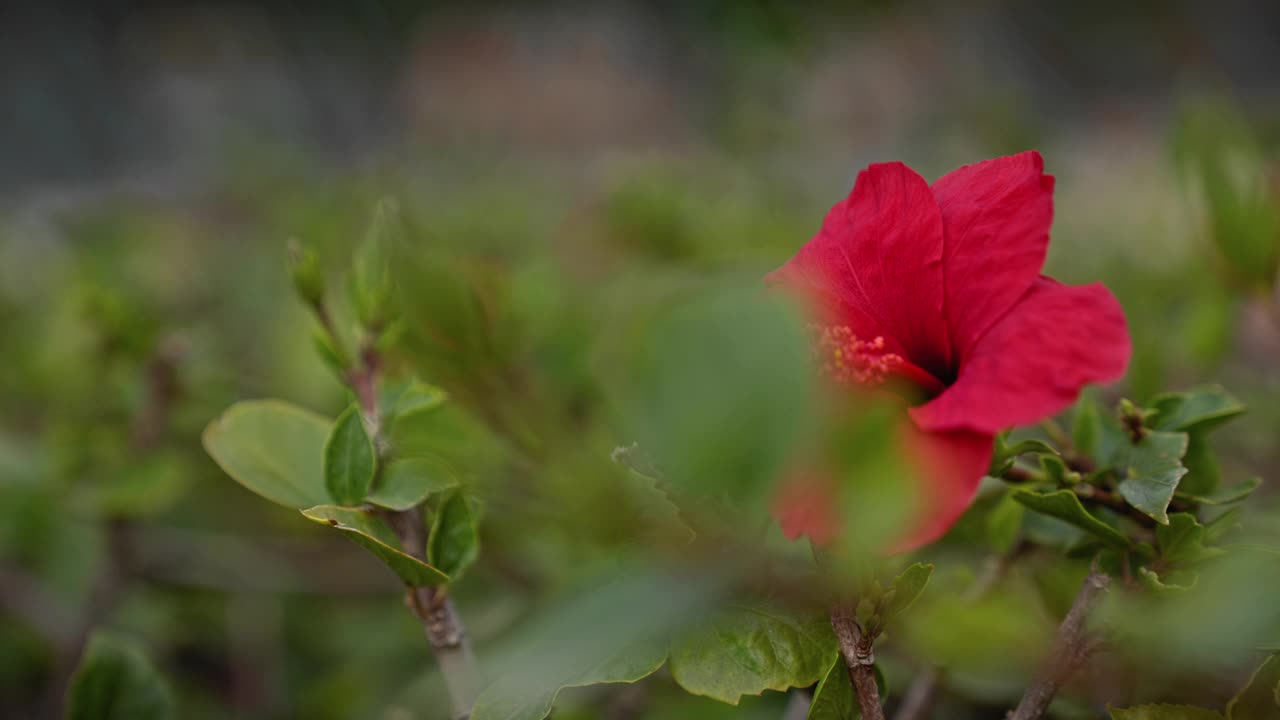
column 1004, row 524
column 349, row 459
column 116, row 681
column 369, row 283
column 747, row 650
column 1004, row 453
column 1164, row 712
column 149, row 487
column 1065, row 505
column 1182, row 540
column 906, row 587
column 500, row 702
column 1233, row 494
column 719, row 389
column 1085, row 425
column 1152, row 581
column 1200, row 409
column 371, row 533
column 454, row 542
column 1259, row 699
column 408, row 482
column 274, row 449
column 1151, row 469
column 1204, row 474
column 1219, row 527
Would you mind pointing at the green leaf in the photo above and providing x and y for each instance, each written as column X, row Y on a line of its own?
column 1086, row 427
column 1164, row 712
column 1056, row 470
column 1004, row 524
column 412, row 397
column 1228, row 496
column 371, row 533
column 454, row 542
column 1259, row 699
column 511, row 701
column 349, row 463
column 369, row 286
column 116, row 681
column 1182, row 540
column 408, row 482
column 1201, row 409
column 747, row 650
column 1064, row 505
column 272, row 448
column 1151, row 469
column 833, row 699
column 1152, row 581
column 1204, row 474
column 1002, row 457
column 904, row 591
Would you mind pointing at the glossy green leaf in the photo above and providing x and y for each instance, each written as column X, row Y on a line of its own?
column 454, row 541
column 370, row 532
column 906, row 587
column 1164, row 712
column 1151, row 469
column 349, row 459
column 1229, row 496
column 1259, row 699
column 1004, row 524
column 1200, row 409
column 1065, row 505
column 408, row 482
column 1182, row 540
column 747, row 650
column 272, row 448
column 508, row 701
column 116, row 681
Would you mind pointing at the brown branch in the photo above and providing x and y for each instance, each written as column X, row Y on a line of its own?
column 1071, row 647
column 859, row 657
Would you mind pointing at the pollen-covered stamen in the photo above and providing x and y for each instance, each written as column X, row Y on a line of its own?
column 848, row 359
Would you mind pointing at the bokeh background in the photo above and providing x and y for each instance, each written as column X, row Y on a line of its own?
column 155, row 156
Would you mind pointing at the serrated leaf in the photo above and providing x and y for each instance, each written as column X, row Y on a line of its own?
column 1233, row 494
column 508, row 701
column 1151, row 469
column 408, row 482
column 906, row 587
column 747, row 650
column 1065, row 505
column 1259, row 699
column 349, row 459
column 1182, row 540
column 272, row 448
column 1164, row 712
column 454, row 543
column 371, row 533
column 1200, row 409
column 116, row 681
column 1004, row 524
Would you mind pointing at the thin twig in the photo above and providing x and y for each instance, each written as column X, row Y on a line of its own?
column 859, row 657
column 433, row 607
column 1071, row 648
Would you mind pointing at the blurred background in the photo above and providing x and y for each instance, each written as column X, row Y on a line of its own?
column 155, row 157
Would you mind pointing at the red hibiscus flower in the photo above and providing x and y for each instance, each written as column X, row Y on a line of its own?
column 939, row 287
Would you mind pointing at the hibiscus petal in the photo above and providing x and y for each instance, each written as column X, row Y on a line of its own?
column 1034, row 362
column 876, row 265
column 995, row 217
column 951, row 466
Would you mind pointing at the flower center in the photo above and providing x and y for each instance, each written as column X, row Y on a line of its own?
column 848, row 359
